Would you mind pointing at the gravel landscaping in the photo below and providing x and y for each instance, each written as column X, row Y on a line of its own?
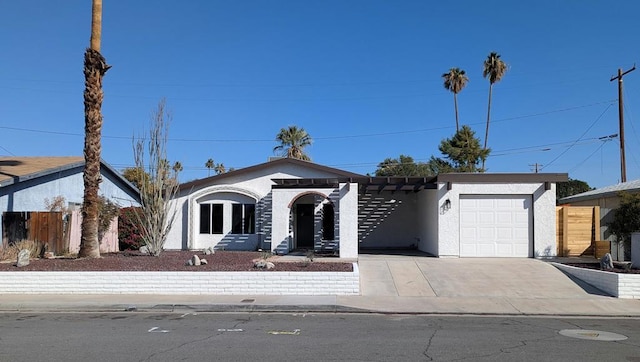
column 174, row 261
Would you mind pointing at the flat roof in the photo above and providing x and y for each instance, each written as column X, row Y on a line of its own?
column 398, row 183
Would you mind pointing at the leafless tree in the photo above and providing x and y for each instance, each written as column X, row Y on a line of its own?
column 150, row 154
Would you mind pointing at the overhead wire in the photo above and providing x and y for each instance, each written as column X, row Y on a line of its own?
column 391, row 133
column 579, row 138
column 590, row 155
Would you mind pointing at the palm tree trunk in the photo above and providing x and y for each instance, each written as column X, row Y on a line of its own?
column 486, row 132
column 455, row 105
column 95, row 67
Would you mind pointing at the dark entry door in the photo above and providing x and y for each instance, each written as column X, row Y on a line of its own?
column 304, row 226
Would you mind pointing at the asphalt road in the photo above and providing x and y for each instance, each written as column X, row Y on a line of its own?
column 312, row 337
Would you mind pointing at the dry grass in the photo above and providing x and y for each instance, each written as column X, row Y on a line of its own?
column 11, row 252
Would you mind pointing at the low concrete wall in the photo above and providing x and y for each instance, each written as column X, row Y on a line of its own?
column 193, row 283
column 616, row 284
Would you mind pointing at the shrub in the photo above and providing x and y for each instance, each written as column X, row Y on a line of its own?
column 626, row 218
column 11, row 252
column 129, row 232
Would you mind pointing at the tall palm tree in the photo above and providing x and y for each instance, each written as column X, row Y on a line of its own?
column 210, row 165
column 293, row 140
column 95, row 67
column 455, row 80
column 494, row 69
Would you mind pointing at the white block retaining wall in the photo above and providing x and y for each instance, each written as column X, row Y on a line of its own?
column 617, row 284
column 215, row 283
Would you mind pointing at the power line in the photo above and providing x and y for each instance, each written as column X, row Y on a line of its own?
column 579, row 138
column 588, row 157
column 610, row 102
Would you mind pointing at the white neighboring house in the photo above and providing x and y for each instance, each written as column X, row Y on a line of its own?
column 26, row 182
column 288, row 204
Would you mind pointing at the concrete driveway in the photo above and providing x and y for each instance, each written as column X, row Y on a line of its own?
column 421, row 276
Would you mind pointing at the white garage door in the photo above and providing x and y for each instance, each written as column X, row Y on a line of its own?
column 495, row 225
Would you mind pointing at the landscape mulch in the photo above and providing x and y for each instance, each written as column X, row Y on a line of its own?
column 173, row 261
column 596, row 266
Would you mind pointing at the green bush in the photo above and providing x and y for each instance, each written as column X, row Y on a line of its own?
column 626, row 218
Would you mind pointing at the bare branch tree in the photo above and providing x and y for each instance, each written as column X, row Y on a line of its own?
column 157, row 216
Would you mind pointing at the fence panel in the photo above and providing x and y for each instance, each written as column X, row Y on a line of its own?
column 577, row 230
column 109, row 242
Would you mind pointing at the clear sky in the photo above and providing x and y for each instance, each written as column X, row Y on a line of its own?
column 363, row 77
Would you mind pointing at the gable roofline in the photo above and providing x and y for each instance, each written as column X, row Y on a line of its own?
column 74, row 162
column 607, row 191
column 268, row 164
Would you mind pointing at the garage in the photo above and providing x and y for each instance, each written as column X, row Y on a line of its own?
column 496, row 226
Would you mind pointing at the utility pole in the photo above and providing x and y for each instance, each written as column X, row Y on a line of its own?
column 536, row 166
column 623, row 164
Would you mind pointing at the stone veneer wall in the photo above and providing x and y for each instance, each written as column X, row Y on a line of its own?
column 193, row 283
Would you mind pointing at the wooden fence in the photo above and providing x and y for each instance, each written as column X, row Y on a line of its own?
column 108, row 243
column 60, row 233
column 47, row 228
column 578, row 231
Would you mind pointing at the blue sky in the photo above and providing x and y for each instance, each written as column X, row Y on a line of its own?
column 363, row 77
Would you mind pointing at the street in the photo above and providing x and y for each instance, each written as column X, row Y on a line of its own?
column 132, row 336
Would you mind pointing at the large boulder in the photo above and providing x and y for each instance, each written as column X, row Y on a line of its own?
column 23, row 258
column 606, row 263
column 263, row 264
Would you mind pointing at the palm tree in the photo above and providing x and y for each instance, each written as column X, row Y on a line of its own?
column 219, row 168
column 177, row 167
column 455, row 81
column 209, row 164
column 293, row 140
column 95, row 67
column 494, row 68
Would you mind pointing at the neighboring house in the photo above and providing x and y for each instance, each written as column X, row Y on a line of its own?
column 27, row 182
column 607, row 199
column 288, row 204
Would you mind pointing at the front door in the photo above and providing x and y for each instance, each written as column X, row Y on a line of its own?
column 304, row 226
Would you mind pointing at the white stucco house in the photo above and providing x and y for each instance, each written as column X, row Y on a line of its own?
column 288, row 204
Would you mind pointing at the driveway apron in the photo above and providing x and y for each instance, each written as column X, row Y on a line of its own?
column 418, row 276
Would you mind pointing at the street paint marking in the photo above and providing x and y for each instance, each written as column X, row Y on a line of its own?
column 295, row 332
column 230, row 330
column 157, row 330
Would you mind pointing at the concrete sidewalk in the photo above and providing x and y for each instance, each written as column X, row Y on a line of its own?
column 600, row 306
column 389, row 284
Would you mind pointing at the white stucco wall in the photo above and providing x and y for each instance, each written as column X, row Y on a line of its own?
column 349, row 220
column 257, row 184
column 544, row 216
column 428, row 221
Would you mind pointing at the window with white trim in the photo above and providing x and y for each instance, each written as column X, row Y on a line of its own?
column 211, row 218
column 243, row 219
